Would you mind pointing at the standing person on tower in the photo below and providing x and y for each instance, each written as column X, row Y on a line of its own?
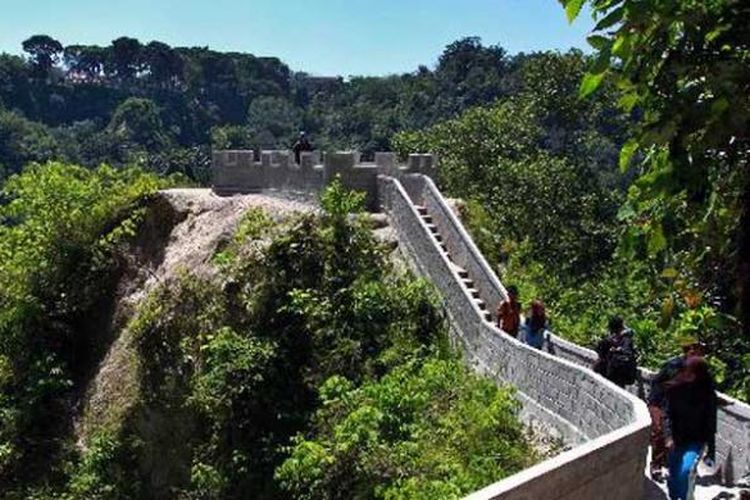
column 302, row 144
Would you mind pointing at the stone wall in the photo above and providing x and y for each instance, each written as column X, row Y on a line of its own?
column 733, row 436
column 609, row 426
column 238, row 171
column 733, row 432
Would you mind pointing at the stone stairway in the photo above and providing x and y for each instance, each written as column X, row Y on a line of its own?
column 653, row 490
column 466, row 280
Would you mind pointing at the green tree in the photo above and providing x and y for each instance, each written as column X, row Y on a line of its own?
column 472, row 72
column 87, row 60
column 163, row 63
column 23, row 141
column 273, row 122
column 137, row 122
column 684, row 66
column 59, row 227
column 125, row 58
column 44, row 51
column 428, row 429
column 523, row 160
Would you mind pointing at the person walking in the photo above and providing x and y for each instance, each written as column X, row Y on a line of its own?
column 509, row 313
column 617, row 357
column 656, row 402
column 689, row 424
column 535, row 327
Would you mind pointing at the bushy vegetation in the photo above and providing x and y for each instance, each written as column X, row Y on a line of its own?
column 163, row 107
column 59, row 228
column 231, row 368
column 427, row 429
column 536, row 166
column 613, row 184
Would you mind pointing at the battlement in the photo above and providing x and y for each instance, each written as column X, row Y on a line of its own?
column 238, row 171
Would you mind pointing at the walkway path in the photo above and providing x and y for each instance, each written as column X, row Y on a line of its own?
column 706, row 489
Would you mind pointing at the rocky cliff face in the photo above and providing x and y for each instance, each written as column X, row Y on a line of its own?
column 181, row 229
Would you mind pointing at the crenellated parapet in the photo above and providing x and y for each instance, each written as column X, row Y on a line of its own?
column 238, row 171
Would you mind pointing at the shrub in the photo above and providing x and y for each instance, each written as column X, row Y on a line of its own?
column 429, row 427
column 59, row 227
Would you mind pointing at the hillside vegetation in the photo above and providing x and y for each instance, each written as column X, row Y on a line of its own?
column 297, row 362
column 164, row 107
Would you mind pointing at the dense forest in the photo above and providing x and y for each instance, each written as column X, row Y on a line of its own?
column 611, row 183
column 163, row 107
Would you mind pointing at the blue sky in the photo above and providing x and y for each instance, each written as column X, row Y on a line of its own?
column 323, row 37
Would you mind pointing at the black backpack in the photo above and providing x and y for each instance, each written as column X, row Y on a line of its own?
column 622, row 360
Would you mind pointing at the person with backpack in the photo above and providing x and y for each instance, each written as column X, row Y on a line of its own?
column 535, row 328
column 617, row 356
column 509, row 313
column 689, row 424
column 656, row 402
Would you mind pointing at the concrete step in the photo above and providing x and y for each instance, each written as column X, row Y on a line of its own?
column 433, row 228
column 468, row 282
column 474, row 293
column 438, row 237
column 427, row 219
column 462, row 273
column 488, row 316
column 422, row 210
column 481, row 304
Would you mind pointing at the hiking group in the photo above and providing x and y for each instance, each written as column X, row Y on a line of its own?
column 534, row 330
column 682, row 399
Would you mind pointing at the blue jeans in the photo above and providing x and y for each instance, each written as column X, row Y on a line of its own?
column 683, row 461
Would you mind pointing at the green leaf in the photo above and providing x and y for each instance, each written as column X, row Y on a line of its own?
column 656, row 240
column 602, row 61
column 590, row 83
column 669, row 273
column 628, row 101
column 621, row 47
column 626, row 154
column 610, row 19
column 716, row 32
column 599, row 42
column 626, row 212
column 573, row 8
column 667, row 311
column 719, row 106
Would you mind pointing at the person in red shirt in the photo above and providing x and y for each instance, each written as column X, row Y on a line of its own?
column 509, row 313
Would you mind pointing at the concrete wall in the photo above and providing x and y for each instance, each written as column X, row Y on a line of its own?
column 609, row 425
column 238, row 171
column 733, row 433
column 733, row 436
